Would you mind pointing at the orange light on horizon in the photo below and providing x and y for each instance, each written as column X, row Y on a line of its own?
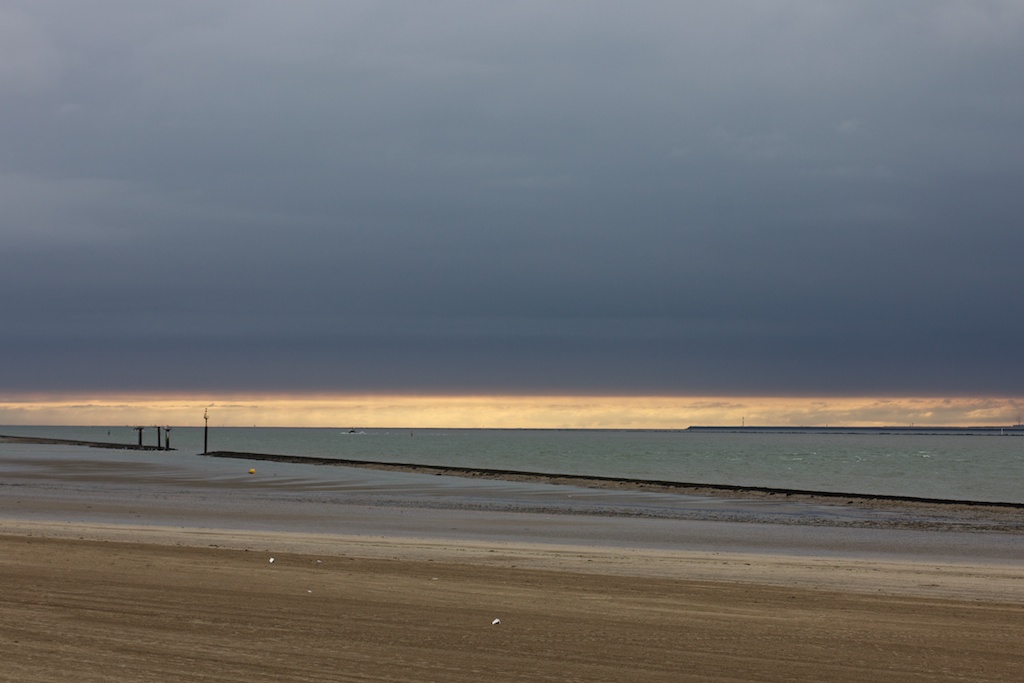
column 511, row 412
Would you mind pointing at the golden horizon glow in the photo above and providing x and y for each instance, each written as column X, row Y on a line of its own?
column 506, row 412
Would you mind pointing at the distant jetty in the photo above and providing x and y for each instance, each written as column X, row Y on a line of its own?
column 1017, row 429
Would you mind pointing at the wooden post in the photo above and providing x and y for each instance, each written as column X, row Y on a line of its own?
column 206, row 431
column 167, row 438
column 158, row 439
column 139, row 430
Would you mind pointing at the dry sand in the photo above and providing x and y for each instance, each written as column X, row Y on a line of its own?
column 121, row 603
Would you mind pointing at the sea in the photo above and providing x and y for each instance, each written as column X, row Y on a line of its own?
column 980, row 465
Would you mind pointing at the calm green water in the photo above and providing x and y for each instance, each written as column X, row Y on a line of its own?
column 987, row 467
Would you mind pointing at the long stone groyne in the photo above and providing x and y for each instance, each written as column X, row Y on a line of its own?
column 621, row 483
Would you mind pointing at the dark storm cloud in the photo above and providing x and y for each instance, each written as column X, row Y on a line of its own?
column 747, row 197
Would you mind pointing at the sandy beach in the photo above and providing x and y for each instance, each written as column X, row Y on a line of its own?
column 206, row 605
column 140, row 570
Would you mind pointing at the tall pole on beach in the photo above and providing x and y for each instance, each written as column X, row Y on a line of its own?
column 206, row 431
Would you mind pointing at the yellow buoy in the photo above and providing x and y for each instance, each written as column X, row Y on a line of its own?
column 252, row 471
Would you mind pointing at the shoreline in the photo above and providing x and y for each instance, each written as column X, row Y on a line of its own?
column 585, row 481
column 399, row 499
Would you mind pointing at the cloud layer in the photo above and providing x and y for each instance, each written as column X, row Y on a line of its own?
column 784, row 198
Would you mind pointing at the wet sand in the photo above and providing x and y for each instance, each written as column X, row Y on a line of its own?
column 113, row 570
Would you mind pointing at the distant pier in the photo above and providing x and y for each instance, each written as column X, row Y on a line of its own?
column 1012, row 430
column 91, row 444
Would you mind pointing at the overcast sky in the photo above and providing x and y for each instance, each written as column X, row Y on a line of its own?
column 572, row 197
